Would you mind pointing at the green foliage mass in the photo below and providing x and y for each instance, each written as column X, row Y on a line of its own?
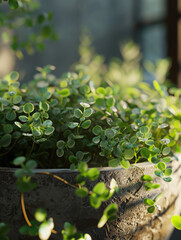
column 69, row 122
column 66, row 124
column 17, row 17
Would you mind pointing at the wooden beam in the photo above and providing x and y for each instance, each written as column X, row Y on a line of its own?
column 172, row 39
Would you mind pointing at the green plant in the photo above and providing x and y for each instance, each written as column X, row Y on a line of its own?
column 24, row 27
column 69, row 123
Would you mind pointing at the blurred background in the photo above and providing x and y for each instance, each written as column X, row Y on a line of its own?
column 98, row 28
column 153, row 24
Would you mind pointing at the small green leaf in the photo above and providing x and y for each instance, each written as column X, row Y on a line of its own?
column 23, row 118
column 81, row 192
column 82, row 167
column 17, row 99
column 148, row 186
column 147, row 178
column 165, row 141
column 25, row 127
column 145, row 153
column 110, row 102
column 161, row 166
column 155, row 150
column 133, row 139
column 129, row 154
column 25, row 185
column 109, row 133
column 19, row 160
column 167, row 179
column 114, row 162
column 97, row 130
column 4, row 230
column 70, row 143
column 101, row 90
column 158, row 173
column 99, row 188
column 151, row 209
column 168, row 172
column 144, row 129
column 31, row 164
column 117, row 152
column 149, row 142
column 72, row 125
column 166, row 151
column 14, row 75
column 60, row 152
column 19, row 173
column 96, row 140
column 102, row 221
column 36, row 132
column 49, row 130
column 47, row 123
column 88, row 112
column 80, row 179
column 109, row 214
column 164, row 125
column 77, row 113
column 79, row 155
column 84, row 89
column 8, row 128
column 5, row 141
column 125, row 164
column 84, row 105
column 32, row 231
column 156, row 85
column 155, row 160
column 28, row 108
column 148, row 201
column 93, row 174
column 86, row 124
column 44, row 231
column 64, row 92
column 40, row 215
column 36, row 115
column 18, row 124
column 10, row 115
column 44, row 106
column 166, row 159
column 176, row 221
column 155, row 186
column 60, row 144
column 95, row 201
column 41, row 140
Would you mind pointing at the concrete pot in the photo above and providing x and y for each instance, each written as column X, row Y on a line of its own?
column 133, row 221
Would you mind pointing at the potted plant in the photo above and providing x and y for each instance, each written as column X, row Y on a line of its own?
column 84, row 154
column 68, row 123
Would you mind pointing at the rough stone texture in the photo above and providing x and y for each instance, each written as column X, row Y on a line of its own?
column 133, row 221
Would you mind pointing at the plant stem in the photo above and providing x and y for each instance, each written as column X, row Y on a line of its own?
column 24, row 211
column 25, row 214
column 59, row 178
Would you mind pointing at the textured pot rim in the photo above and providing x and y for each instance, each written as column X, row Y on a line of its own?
column 101, row 169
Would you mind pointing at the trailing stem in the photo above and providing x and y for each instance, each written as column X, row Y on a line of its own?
column 25, row 214
column 22, row 197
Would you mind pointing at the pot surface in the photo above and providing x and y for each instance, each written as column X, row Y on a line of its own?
column 59, row 200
